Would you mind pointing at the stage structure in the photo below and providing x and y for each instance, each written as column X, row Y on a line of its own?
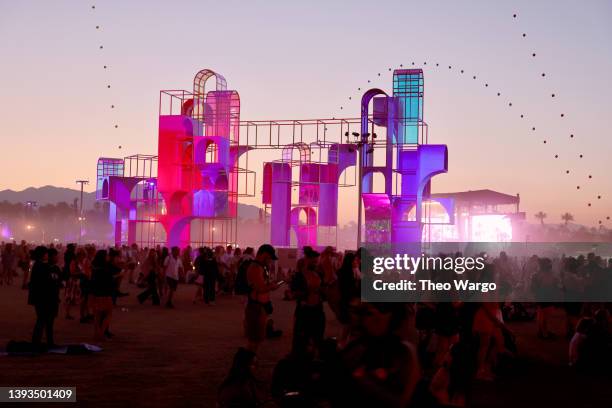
column 192, row 187
column 479, row 216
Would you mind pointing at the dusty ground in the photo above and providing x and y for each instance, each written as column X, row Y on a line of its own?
column 178, row 357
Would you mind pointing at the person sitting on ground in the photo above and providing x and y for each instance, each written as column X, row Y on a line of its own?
column 240, row 389
column 304, row 378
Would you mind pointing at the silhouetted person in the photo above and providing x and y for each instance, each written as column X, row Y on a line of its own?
column 150, row 270
column 69, row 256
column 44, row 293
column 210, row 271
column 379, row 369
column 300, row 378
column 8, row 264
column 239, row 389
column 172, row 271
column 348, row 287
column 24, row 263
column 259, row 305
column 307, row 286
column 106, row 271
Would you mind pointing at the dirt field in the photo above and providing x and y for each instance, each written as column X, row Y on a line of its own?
column 162, row 358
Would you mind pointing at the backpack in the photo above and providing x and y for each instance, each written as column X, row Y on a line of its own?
column 241, row 285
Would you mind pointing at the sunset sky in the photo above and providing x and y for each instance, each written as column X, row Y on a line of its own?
column 292, row 60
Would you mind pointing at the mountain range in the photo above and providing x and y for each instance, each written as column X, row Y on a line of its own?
column 53, row 195
column 47, row 195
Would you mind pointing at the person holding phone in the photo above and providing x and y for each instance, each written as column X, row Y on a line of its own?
column 259, row 305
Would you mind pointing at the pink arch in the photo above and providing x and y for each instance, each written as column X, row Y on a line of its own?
column 303, row 148
column 305, row 234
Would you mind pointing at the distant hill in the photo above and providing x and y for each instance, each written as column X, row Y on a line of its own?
column 53, row 195
column 47, row 195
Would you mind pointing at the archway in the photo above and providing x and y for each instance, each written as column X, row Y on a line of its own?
column 105, row 188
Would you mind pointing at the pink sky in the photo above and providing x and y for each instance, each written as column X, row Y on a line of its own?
column 296, row 60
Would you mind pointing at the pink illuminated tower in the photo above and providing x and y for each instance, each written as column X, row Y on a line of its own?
column 198, row 152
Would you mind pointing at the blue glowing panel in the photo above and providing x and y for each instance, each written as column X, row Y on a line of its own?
column 408, row 87
column 107, row 167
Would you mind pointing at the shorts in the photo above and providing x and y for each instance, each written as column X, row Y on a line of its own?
column 172, row 283
column 255, row 318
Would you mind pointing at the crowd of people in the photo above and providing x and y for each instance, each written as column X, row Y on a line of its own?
column 385, row 354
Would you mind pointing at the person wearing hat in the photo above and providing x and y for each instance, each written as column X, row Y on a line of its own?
column 259, row 305
column 307, row 286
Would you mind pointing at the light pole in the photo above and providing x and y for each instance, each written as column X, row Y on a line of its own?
column 81, row 218
column 362, row 141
